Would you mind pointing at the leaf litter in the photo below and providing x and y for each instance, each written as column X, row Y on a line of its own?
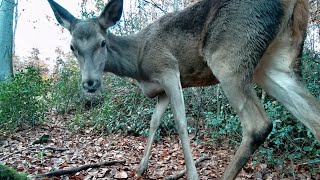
column 20, row 152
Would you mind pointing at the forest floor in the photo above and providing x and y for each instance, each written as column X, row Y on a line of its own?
column 85, row 147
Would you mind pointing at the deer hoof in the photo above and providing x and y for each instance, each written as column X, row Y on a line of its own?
column 192, row 176
column 142, row 167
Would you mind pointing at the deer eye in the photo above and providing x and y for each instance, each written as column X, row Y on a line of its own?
column 72, row 48
column 103, row 43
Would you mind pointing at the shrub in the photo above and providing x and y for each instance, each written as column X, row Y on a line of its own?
column 23, row 100
column 66, row 94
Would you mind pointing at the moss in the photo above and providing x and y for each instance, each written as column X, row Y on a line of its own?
column 8, row 173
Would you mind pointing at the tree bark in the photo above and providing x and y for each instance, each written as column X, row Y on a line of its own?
column 6, row 37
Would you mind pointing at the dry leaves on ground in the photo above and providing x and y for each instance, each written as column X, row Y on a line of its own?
column 19, row 152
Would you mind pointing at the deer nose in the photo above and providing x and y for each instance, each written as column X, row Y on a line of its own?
column 91, row 85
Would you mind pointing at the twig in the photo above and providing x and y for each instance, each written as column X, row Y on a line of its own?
column 55, row 148
column 311, row 162
column 181, row 173
column 156, row 6
column 293, row 174
column 61, row 172
column 46, row 147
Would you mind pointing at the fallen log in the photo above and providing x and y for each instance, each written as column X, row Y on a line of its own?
column 71, row 171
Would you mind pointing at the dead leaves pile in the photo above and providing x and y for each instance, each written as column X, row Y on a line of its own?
column 19, row 152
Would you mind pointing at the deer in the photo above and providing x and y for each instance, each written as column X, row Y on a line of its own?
column 235, row 43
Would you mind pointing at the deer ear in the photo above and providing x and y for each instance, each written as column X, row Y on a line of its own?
column 64, row 18
column 111, row 13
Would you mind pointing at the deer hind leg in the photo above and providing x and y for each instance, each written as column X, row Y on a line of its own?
column 242, row 97
column 276, row 76
column 161, row 106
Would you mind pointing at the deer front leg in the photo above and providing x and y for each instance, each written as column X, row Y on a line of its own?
column 172, row 87
column 161, row 106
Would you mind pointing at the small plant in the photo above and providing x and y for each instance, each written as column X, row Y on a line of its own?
column 23, row 100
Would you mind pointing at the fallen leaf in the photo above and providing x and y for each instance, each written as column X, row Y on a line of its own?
column 121, row 175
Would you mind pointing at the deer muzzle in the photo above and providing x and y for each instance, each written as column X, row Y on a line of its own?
column 91, row 86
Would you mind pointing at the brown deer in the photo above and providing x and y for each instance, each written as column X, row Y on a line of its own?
column 232, row 42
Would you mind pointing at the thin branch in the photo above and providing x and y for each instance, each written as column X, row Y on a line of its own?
column 43, row 148
column 181, row 173
column 155, row 5
column 311, row 162
column 55, row 148
column 61, row 172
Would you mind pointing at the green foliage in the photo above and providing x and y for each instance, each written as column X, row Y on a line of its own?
column 8, row 173
column 221, row 126
column 289, row 138
column 23, row 100
column 123, row 110
column 311, row 72
column 66, row 94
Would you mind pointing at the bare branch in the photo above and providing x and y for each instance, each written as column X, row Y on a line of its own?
column 311, row 162
column 56, row 149
column 156, row 6
column 61, row 172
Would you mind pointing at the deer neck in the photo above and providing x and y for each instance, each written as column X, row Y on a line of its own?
column 122, row 58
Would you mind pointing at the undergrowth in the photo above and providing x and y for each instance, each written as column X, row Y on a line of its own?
column 23, row 100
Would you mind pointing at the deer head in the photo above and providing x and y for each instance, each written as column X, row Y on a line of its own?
column 89, row 42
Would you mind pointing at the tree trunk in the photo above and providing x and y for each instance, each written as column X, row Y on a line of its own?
column 6, row 37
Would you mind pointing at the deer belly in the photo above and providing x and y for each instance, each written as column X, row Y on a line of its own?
column 198, row 78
